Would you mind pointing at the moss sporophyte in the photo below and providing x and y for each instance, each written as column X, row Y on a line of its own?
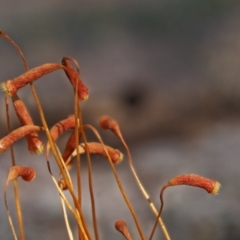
column 76, row 145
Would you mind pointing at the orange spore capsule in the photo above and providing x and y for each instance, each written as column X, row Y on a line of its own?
column 211, row 186
column 70, row 147
column 27, row 173
column 74, row 77
column 10, row 87
column 97, row 148
column 59, row 128
column 194, row 180
column 107, row 122
column 121, row 227
column 16, row 135
column 35, row 145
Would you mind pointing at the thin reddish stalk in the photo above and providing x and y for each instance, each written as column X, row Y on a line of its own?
column 108, row 123
column 15, row 184
column 139, row 228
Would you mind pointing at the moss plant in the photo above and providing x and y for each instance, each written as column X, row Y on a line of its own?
column 75, row 147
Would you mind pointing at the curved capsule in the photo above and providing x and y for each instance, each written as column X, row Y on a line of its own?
column 74, row 78
column 211, row 186
column 27, row 173
column 97, row 148
column 10, row 87
column 16, row 135
column 59, row 128
column 35, row 145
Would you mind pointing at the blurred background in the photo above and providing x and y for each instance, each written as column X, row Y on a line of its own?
column 168, row 72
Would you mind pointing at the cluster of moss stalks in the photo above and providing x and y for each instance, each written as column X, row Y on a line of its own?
column 76, row 145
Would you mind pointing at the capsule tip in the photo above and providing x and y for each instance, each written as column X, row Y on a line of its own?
column 216, row 188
